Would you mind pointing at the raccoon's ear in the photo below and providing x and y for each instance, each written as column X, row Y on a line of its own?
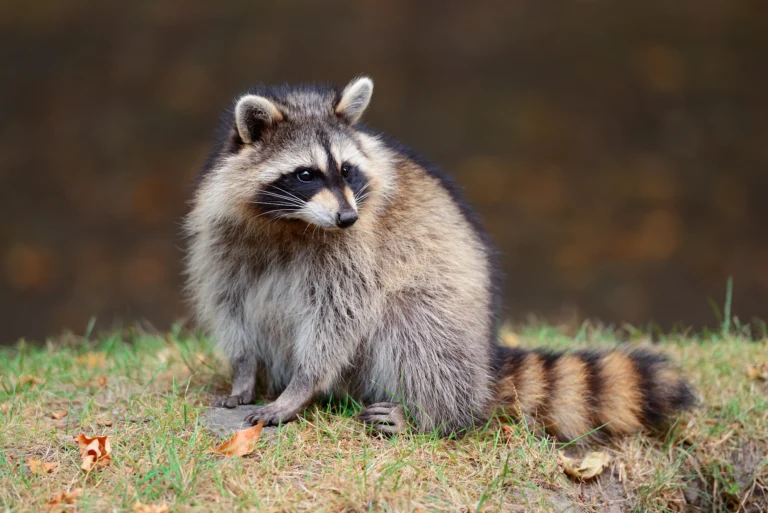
column 253, row 114
column 354, row 99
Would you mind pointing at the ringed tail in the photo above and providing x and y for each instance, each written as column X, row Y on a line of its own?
column 571, row 394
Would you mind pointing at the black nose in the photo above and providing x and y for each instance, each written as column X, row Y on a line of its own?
column 346, row 218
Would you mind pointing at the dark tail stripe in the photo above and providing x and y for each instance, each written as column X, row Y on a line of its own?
column 646, row 364
column 508, row 363
column 592, row 362
column 508, row 360
column 684, row 397
column 549, row 359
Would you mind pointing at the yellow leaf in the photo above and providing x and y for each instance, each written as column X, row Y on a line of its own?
column 32, row 381
column 59, row 501
column 41, row 468
column 104, row 423
column 592, row 465
column 150, row 508
column 60, row 414
column 758, row 372
column 509, row 338
column 95, row 452
column 92, row 360
column 243, row 443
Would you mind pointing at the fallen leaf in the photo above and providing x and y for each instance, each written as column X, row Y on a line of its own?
column 60, row 414
column 138, row 420
column 59, row 501
column 32, row 381
column 150, row 508
column 92, row 360
column 510, row 338
column 5, row 407
column 758, row 372
column 508, row 431
column 163, row 355
column 41, row 468
column 244, row 442
column 95, row 452
column 592, row 465
column 99, row 381
column 105, row 422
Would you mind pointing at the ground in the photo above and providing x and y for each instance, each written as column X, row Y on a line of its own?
column 148, row 393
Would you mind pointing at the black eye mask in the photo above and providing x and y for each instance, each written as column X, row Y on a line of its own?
column 288, row 193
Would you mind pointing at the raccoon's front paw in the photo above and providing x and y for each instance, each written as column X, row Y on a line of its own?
column 271, row 414
column 233, row 401
column 385, row 418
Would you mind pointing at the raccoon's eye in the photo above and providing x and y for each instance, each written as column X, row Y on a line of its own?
column 304, row 175
column 345, row 170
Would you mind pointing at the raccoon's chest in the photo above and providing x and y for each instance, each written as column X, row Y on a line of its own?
column 274, row 303
column 311, row 292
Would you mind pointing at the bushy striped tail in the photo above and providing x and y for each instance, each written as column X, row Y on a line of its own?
column 573, row 393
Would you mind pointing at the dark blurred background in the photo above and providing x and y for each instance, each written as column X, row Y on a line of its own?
column 617, row 150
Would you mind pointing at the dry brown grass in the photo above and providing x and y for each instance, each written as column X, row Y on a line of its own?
column 157, row 387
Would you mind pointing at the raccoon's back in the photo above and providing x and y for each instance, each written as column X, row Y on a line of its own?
column 616, row 392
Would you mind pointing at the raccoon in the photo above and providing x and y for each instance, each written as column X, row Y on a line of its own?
column 334, row 261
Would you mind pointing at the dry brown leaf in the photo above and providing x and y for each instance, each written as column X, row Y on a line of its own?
column 95, row 452
column 150, row 508
column 99, row 381
column 32, row 381
column 243, row 443
column 592, row 465
column 41, row 468
column 758, row 372
column 60, row 414
column 105, row 422
column 508, row 431
column 5, row 407
column 59, row 501
column 163, row 355
column 510, row 338
column 92, row 360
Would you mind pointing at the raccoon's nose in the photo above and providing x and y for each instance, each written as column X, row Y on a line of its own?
column 346, row 218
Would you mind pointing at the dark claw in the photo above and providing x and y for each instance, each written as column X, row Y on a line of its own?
column 270, row 415
column 385, row 429
column 386, row 418
column 232, row 401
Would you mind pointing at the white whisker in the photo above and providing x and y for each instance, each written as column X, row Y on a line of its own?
column 291, row 199
column 271, row 203
column 358, row 193
column 289, row 194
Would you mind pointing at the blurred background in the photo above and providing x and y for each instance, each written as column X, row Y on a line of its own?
column 617, row 151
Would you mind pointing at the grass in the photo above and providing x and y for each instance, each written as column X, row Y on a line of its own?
column 157, row 387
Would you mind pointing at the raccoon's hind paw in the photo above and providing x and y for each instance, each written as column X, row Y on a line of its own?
column 385, row 418
column 233, row 401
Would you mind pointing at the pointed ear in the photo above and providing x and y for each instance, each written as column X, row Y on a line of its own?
column 354, row 99
column 253, row 114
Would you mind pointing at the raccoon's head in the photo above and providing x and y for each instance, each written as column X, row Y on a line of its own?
column 293, row 156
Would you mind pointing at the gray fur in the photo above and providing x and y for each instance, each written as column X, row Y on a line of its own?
column 393, row 309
